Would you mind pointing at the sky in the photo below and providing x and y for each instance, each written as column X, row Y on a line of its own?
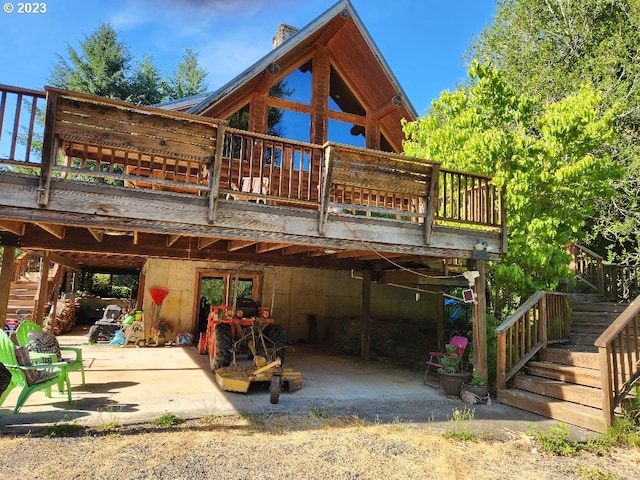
column 422, row 41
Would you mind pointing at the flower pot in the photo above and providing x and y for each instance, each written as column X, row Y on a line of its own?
column 481, row 391
column 451, row 383
column 161, row 339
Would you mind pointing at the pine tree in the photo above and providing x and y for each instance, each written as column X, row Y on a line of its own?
column 189, row 78
column 101, row 66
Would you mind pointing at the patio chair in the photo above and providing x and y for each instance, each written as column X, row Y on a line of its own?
column 27, row 375
column 460, row 344
column 73, row 364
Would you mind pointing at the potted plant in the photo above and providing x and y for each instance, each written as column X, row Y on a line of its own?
column 476, row 385
column 451, row 374
column 163, row 327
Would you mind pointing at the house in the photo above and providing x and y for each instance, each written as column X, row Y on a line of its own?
column 296, row 165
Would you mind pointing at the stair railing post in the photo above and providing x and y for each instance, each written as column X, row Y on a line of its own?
column 501, row 362
column 543, row 332
column 604, row 353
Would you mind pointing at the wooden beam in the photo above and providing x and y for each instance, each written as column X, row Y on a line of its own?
column 60, row 260
column 5, row 281
column 239, row 244
column 49, row 150
column 38, row 316
column 55, row 230
column 365, row 316
column 297, row 249
column 96, row 233
column 269, row 247
column 204, row 242
column 480, row 321
column 171, row 239
column 13, row 227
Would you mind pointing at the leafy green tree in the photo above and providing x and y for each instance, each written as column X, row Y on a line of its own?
column 542, row 152
column 189, row 78
column 550, row 48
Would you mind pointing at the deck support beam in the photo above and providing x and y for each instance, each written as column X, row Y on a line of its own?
column 365, row 319
column 480, row 321
column 5, row 281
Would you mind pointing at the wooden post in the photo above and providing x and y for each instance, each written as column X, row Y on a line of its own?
column 325, row 188
column 440, row 317
column 480, row 322
column 365, row 320
column 5, row 281
column 215, row 172
column 38, row 316
column 49, row 150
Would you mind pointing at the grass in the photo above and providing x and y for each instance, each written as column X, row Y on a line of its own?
column 167, row 420
column 460, row 432
column 63, row 430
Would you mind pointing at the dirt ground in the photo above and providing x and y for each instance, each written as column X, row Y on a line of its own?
column 312, row 446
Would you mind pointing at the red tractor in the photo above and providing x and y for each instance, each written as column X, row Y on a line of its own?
column 245, row 328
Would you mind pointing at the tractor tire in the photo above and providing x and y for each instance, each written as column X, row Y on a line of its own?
column 278, row 337
column 220, row 350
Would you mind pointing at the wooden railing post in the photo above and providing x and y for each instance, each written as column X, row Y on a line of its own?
column 215, row 173
column 325, row 188
column 501, row 361
column 49, row 150
column 431, row 204
column 606, row 382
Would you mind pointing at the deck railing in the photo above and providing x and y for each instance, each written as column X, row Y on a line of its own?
column 612, row 281
column 619, row 351
column 20, row 130
column 99, row 140
column 543, row 318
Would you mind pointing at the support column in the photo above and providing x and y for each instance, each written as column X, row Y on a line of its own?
column 38, row 316
column 440, row 318
column 480, row 321
column 365, row 320
column 5, row 281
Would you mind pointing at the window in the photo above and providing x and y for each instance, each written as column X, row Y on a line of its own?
column 342, row 132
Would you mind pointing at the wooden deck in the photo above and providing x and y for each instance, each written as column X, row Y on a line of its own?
column 112, row 177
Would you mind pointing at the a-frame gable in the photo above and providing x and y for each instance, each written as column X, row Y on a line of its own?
column 342, row 56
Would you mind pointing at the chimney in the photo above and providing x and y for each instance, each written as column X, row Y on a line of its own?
column 284, row 31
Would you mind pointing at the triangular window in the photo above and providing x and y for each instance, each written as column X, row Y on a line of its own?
column 341, row 98
column 296, row 86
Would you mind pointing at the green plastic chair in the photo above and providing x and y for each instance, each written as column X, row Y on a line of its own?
column 51, row 374
column 75, row 364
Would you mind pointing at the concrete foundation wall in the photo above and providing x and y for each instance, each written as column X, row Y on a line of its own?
column 331, row 297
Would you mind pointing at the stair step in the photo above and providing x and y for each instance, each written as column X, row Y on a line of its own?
column 568, row 392
column 584, row 338
column 571, row 413
column 565, row 356
column 577, row 375
column 598, row 306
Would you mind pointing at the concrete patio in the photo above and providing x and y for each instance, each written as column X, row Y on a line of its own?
column 129, row 385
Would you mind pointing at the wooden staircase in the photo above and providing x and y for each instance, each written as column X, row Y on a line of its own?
column 22, row 295
column 563, row 381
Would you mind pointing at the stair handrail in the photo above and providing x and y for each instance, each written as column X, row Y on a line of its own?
column 20, row 266
column 542, row 318
column 614, row 281
column 587, row 267
column 619, row 354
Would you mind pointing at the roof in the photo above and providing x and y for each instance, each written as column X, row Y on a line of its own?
column 342, row 8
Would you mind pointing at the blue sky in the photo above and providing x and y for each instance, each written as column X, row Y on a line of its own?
column 421, row 40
